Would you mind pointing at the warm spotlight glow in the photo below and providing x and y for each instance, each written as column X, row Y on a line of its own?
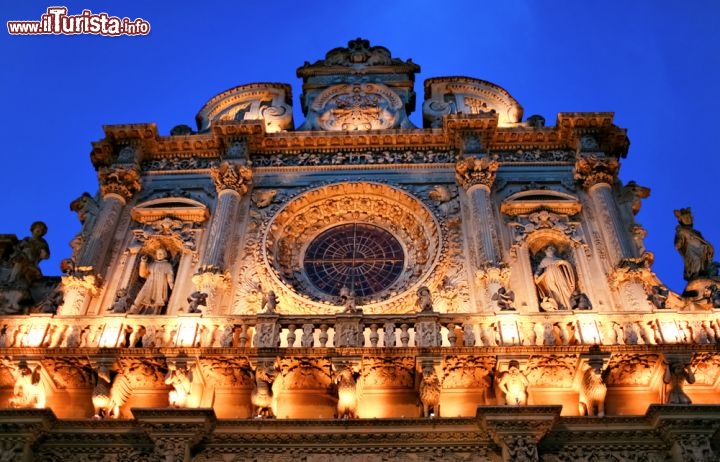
column 35, row 335
column 670, row 331
column 186, row 334
column 589, row 332
column 110, row 335
column 509, row 333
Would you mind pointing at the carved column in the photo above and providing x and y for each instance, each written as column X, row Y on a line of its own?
column 687, row 429
column 117, row 187
column 20, row 428
column 597, row 173
column 476, row 176
column 232, row 182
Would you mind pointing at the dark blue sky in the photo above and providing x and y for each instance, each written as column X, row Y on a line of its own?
column 656, row 64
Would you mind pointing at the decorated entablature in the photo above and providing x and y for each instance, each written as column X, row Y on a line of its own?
column 483, row 271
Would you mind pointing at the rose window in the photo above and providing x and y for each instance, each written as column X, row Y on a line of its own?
column 362, row 257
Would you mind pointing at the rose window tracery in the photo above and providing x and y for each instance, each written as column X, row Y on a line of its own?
column 365, row 258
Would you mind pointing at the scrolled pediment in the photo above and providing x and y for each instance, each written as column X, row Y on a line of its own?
column 180, row 208
column 526, row 202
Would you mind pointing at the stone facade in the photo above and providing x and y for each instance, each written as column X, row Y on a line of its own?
column 360, row 289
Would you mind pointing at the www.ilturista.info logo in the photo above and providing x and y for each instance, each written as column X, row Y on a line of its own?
column 56, row 22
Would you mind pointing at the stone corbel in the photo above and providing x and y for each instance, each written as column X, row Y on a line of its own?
column 688, row 430
column 175, row 431
column 518, row 430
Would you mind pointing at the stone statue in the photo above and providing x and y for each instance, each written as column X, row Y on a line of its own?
column 430, row 392
column 120, row 305
column 269, row 302
column 555, row 279
column 697, row 253
column 28, row 391
column 424, row 300
column 592, row 393
column 505, row 299
column 676, row 375
column 712, row 294
column 580, row 301
column 109, row 395
column 159, row 280
column 181, row 378
column 27, row 255
column 261, row 396
column 196, row 300
column 347, row 299
column 514, row 384
column 347, row 393
column 658, row 296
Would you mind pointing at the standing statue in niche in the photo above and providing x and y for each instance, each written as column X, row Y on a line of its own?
column 697, row 253
column 159, row 281
column 555, row 280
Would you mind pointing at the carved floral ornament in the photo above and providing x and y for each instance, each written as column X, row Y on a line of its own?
column 124, row 182
column 594, row 169
column 352, row 107
column 234, row 177
column 473, row 171
column 404, row 217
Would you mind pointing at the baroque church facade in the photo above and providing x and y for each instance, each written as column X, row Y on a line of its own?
column 357, row 288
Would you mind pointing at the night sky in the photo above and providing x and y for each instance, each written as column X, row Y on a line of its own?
column 655, row 64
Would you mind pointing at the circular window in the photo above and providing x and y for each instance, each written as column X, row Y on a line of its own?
column 365, row 258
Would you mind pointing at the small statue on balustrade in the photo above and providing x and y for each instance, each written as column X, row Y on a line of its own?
column 697, row 253
column 389, row 337
column 468, row 334
column 513, row 384
column 120, row 305
column 27, row 254
column 580, row 301
column 196, row 300
column 307, row 340
column 347, row 300
column 424, row 300
column 159, row 281
column 675, row 377
column 712, row 294
column 555, row 281
column 505, row 299
column 269, row 302
column 658, row 296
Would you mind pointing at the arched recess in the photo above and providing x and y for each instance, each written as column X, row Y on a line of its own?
column 173, row 223
column 538, row 219
column 374, row 209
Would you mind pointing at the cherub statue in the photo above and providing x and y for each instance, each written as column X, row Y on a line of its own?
column 514, row 384
column 196, row 300
column 347, row 300
column 658, row 296
column 269, row 302
column 580, row 301
column 120, row 305
column 424, row 300
column 505, row 299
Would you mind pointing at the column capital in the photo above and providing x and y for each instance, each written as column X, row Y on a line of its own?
column 232, row 176
column 592, row 169
column 472, row 171
column 120, row 181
